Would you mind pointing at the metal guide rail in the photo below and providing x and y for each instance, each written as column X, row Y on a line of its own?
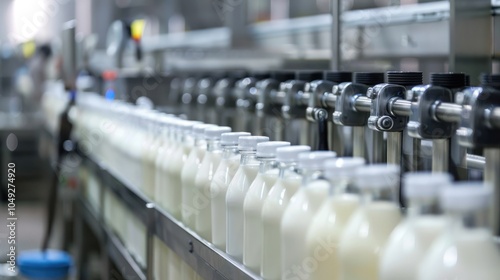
column 204, row 258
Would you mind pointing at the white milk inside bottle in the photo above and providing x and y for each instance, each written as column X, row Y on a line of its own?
column 411, row 239
column 274, row 206
column 300, row 212
column 466, row 249
column 218, row 188
column 189, row 172
column 208, row 166
column 249, row 166
column 162, row 159
column 149, row 154
column 369, row 228
column 252, row 205
column 173, row 169
column 323, row 237
column 163, row 146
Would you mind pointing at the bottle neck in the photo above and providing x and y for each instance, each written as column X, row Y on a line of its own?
column 267, row 164
column 468, row 220
column 369, row 195
column 285, row 167
column 248, row 158
column 339, row 186
column 422, row 206
column 229, row 151
column 310, row 175
column 213, row 145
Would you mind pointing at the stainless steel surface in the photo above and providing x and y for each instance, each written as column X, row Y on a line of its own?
column 492, row 177
column 440, row 155
column 401, row 107
column 69, row 54
column 474, row 161
column 394, row 146
column 336, row 35
column 358, row 137
column 376, row 146
column 448, row 112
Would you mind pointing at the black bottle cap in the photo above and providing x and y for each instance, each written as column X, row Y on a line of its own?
column 337, row 77
column 448, row 80
column 283, row 76
column 490, row 80
column 308, row 75
column 260, row 75
column 403, row 78
column 369, row 78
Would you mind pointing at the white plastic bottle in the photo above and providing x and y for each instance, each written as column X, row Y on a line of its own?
column 249, row 166
column 252, row 205
column 300, row 212
column 162, row 160
column 189, row 172
column 370, row 226
column 149, row 154
column 175, row 162
column 202, row 199
column 411, row 239
column 466, row 249
column 323, row 237
column 274, row 206
column 218, row 188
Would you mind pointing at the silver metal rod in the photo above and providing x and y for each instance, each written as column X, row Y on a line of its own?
column 336, row 35
column 362, row 104
column 358, row 135
column 492, row 177
column 440, row 155
column 329, row 100
column 448, row 112
column 494, row 117
column 474, row 161
column 377, row 147
column 394, row 145
column 400, row 107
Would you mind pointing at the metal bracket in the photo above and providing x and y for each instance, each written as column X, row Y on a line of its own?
column 422, row 123
column 474, row 130
column 293, row 89
column 265, row 89
column 317, row 90
column 381, row 119
column 345, row 113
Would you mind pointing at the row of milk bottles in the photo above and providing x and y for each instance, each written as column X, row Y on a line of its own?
column 286, row 212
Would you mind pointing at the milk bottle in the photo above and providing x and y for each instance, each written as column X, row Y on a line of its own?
column 202, row 200
column 466, row 249
column 411, row 239
column 274, row 206
column 218, row 188
column 252, row 205
column 300, row 212
column 189, row 171
column 162, row 160
column 151, row 146
column 369, row 228
column 249, row 166
column 323, row 237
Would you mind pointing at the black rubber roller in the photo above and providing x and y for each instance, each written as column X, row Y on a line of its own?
column 283, row 76
column 403, row 78
column 490, row 80
column 369, row 78
column 448, row 80
column 337, row 77
column 308, row 76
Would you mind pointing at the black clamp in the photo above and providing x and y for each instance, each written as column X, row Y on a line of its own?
column 475, row 130
column 423, row 123
column 381, row 118
column 345, row 113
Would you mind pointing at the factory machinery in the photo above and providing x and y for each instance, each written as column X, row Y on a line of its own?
column 139, row 130
column 449, row 126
